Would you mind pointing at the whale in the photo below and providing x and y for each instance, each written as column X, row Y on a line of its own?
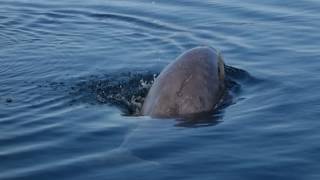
column 190, row 86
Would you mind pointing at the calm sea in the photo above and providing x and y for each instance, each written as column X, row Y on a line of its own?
column 58, row 57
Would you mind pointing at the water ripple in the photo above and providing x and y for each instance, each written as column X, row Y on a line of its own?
column 54, row 56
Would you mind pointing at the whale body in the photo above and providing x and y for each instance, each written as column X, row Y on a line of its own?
column 191, row 85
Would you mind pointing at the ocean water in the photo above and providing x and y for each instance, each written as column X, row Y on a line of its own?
column 58, row 58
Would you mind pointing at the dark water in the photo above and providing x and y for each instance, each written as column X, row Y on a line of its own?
column 52, row 126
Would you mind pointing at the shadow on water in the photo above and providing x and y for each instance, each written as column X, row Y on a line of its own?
column 203, row 120
column 128, row 90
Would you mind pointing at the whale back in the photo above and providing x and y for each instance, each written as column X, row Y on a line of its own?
column 191, row 84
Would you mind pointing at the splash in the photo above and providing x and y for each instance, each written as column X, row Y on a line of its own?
column 126, row 90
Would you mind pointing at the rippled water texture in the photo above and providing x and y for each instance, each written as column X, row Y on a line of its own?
column 50, row 49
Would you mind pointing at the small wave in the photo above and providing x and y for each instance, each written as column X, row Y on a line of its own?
column 5, row 37
column 140, row 21
column 136, row 20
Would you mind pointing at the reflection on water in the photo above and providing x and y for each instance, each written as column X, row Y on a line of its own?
column 65, row 83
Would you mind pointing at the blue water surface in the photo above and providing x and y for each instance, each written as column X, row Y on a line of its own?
column 271, row 131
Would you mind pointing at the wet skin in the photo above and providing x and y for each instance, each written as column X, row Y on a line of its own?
column 191, row 85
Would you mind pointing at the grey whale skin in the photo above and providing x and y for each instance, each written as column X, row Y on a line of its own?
column 191, row 85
